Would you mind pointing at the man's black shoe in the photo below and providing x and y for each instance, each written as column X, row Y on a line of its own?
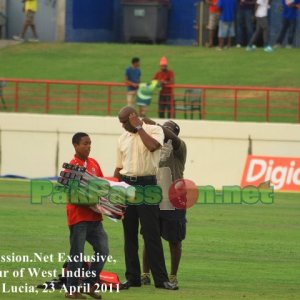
column 168, row 286
column 127, row 284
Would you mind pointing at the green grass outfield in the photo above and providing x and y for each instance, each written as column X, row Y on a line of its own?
column 231, row 251
column 192, row 65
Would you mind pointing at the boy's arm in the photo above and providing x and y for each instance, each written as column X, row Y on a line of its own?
column 119, row 163
column 117, row 173
column 99, row 173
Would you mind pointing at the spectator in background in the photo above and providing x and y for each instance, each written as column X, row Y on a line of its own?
column 226, row 23
column 133, row 79
column 262, row 25
column 289, row 22
column 30, row 9
column 244, row 20
column 214, row 17
column 165, row 77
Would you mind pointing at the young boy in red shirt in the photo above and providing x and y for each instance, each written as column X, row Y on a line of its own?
column 165, row 77
column 85, row 225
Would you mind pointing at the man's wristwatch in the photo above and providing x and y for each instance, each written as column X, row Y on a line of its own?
column 138, row 127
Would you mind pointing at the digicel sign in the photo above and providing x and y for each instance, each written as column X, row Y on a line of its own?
column 283, row 172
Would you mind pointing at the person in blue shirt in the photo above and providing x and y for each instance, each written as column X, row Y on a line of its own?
column 226, row 24
column 289, row 22
column 133, row 79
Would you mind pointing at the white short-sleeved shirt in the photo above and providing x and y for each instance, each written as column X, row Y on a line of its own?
column 133, row 158
column 262, row 8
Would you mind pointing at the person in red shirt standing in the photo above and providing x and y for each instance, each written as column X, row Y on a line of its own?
column 213, row 21
column 165, row 77
column 85, row 225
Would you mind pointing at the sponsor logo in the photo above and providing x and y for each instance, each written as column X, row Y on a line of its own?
column 282, row 172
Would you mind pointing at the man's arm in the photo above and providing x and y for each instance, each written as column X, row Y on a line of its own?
column 150, row 143
column 130, row 83
column 169, row 135
column 171, row 80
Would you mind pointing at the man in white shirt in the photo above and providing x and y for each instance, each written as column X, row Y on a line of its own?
column 138, row 156
column 262, row 25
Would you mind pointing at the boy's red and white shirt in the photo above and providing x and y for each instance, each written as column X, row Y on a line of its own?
column 78, row 213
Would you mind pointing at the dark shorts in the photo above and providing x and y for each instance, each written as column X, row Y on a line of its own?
column 172, row 225
column 173, row 231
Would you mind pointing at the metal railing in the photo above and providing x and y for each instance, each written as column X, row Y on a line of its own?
column 236, row 103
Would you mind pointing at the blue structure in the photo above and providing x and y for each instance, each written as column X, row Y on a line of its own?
column 91, row 20
column 181, row 22
column 101, row 20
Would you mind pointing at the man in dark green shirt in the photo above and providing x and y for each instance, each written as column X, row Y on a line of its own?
column 172, row 221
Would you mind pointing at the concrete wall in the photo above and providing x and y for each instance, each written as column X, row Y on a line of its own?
column 49, row 19
column 216, row 150
column 2, row 19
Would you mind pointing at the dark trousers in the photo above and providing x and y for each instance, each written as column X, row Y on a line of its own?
column 244, row 21
column 262, row 25
column 164, row 105
column 148, row 216
column 290, row 26
column 94, row 233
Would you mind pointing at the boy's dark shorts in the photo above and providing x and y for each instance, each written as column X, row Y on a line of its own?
column 173, row 231
column 172, row 225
